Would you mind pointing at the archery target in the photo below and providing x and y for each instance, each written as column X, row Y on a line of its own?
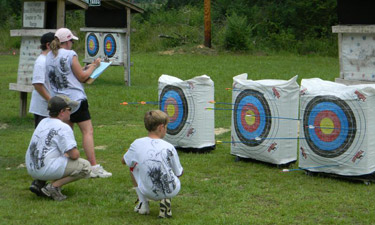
column 252, row 117
column 109, row 45
column 329, row 126
column 92, row 45
column 264, row 119
column 336, row 127
column 174, row 103
column 190, row 125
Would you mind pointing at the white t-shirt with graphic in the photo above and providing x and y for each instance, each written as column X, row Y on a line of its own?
column 38, row 105
column 155, row 166
column 60, row 74
column 45, row 158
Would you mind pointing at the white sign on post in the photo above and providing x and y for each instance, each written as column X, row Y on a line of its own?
column 34, row 14
column 93, row 2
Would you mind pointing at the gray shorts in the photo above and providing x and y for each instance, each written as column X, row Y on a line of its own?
column 77, row 168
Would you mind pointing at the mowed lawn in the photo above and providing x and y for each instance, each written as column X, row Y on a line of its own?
column 215, row 188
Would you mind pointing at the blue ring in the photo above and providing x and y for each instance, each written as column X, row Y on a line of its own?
column 110, row 38
column 92, row 37
column 329, row 146
column 265, row 123
column 258, row 132
column 178, row 95
column 173, row 94
column 348, row 126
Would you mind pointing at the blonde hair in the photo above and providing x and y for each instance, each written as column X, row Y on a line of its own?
column 154, row 118
column 55, row 45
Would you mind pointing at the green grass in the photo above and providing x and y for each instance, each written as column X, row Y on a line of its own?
column 215, row 188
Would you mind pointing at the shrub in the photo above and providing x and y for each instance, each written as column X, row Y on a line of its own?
column 161, row 29
column 237, row 32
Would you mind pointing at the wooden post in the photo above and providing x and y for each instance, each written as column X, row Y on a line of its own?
column 127, row 39
column 60, row 22
column 23, row 103
column 207, row 23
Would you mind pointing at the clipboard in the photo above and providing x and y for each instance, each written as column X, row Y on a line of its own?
column 98, row 71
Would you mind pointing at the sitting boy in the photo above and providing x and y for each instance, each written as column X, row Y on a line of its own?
column 154, row 165
column 52, row 154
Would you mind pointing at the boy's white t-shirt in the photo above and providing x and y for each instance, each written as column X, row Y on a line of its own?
column 38, row 105
column 155, row 165
column 45, row 158
column 61, row 77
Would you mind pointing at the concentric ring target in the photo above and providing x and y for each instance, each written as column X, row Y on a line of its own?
column 92, row 44
column 329, row 126
column 252, row 117
column 174, row 103
column 109, row 45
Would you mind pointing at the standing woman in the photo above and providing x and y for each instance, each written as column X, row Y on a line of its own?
column 66, row 77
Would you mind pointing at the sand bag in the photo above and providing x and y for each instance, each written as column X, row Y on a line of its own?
column 337, row 128
column 265, row 119
column 191, row 126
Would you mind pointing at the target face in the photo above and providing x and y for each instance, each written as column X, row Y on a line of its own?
column 329, row 126
column 173, row 102
column 252, row 117
column 109, row 45
column 92, row 45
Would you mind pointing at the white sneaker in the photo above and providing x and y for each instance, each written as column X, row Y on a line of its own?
column 99, row 171
column 165, row 208
column 53, row 192
column 142, row 208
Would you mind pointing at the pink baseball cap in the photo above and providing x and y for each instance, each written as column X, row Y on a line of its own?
column 64, row 34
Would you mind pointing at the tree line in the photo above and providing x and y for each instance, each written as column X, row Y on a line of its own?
column 241, row 24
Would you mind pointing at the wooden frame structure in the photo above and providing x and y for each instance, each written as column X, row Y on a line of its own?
column 356, row 46
column 31, row 37
column 121, row 30
column 356, row 53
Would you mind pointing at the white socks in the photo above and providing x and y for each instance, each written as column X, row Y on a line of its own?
column 141, row 197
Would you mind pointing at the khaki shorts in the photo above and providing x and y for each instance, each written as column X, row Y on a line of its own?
column 80, row 168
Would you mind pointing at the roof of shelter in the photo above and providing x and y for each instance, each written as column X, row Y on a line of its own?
column 106, row 4
column 120, row 4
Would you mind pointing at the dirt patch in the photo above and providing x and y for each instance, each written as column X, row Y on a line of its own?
column 3, row 126
column 199, row 49
column 22, row 165
column 170, row 52
column 220, row 130
column 101, row 147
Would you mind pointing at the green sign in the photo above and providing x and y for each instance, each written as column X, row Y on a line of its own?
column 93, row 2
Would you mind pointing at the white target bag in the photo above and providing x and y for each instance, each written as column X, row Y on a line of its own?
column 265, row 119
column 337, row 128
column 185, row 102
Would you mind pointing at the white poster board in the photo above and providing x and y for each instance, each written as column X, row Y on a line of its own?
column 29, row 51
column 34, row 14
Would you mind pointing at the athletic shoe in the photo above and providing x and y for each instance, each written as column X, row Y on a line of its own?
column 99, row 171
column 53, row 192
column 142, row 208
column 165, row 208
column 36, row 187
